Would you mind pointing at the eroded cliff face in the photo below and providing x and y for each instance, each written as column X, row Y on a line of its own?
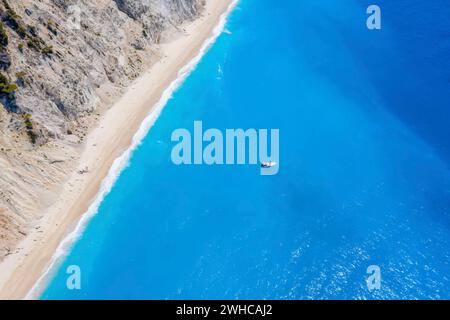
column 59, row 52
column 178, row 9
column 62, row 63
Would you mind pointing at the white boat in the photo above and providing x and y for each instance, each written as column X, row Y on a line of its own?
column 268, row 164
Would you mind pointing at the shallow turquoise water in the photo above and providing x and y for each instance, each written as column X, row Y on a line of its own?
column 363, row 178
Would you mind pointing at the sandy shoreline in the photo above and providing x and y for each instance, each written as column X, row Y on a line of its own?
column 114, row 134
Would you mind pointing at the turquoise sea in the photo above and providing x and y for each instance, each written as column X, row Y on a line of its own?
column 364, row 173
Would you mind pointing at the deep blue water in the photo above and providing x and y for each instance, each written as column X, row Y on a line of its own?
column 364, row 176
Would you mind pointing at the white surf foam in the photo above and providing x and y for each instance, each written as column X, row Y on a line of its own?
column 122, row 161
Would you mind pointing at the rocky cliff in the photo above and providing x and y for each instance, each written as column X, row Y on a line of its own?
column 62, row 63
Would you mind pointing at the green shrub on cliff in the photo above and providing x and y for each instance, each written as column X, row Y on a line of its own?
column 28, row 123
column 33, row 43
column 3, row 36
column 5, row 86
column 47, row 50
column 9, row 88
column 51, row 26
column 30, row 128
column 12, row 17
column 20, row 75
column 22, row 31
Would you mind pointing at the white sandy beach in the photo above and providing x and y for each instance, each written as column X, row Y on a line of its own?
column 19, row 272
